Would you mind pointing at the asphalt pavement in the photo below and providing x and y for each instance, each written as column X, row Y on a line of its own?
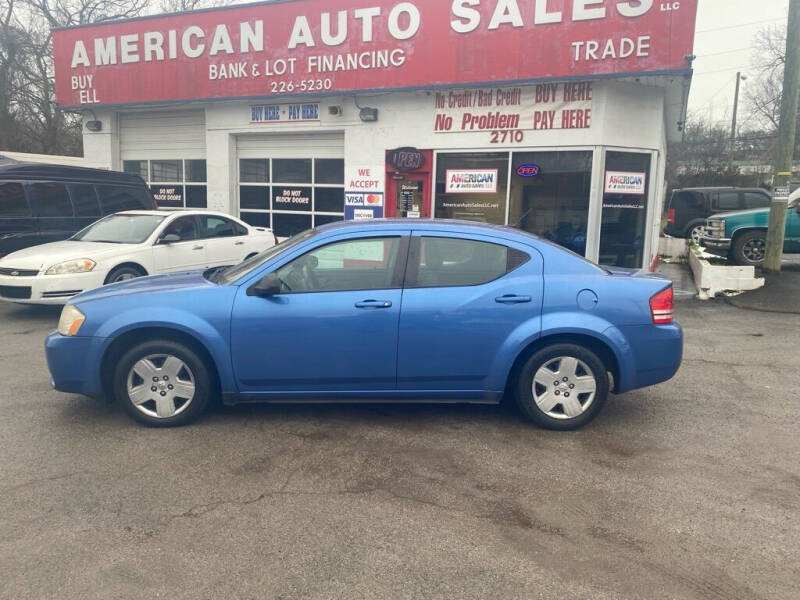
column 690, row 489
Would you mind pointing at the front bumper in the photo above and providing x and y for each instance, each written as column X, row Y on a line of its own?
column 48, row 289
column 718, row 246
column 74, row 363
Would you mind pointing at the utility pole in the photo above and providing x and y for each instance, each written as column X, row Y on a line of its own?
column 786, row 141
column 739, row 79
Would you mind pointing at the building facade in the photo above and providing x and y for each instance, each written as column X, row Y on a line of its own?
column 528, row 119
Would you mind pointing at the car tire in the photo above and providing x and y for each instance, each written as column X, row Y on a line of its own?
column 162, row 383
column 123, row 273
column 546, row 385
column 695, row 234
column 750, row 248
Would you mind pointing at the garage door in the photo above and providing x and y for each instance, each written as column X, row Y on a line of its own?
column 168, row 149
column 291, row 182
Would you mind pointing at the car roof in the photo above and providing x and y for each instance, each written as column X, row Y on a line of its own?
column 721, row 188
column 454, row 225
column 67, row 173
column 184, row 213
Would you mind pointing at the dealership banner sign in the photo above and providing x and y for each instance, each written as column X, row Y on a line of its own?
column 470, row 181
column 508, row 112
column 310, row 47
column 624, row 182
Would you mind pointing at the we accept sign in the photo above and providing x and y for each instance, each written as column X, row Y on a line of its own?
column 310, row 47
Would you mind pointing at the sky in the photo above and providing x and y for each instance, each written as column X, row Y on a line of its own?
column 723, row 46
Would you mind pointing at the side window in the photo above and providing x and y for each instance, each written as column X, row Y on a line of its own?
column 756, row 200
column 362, row 264
column 184, row 227
column 51, row 200
column 85, row 200
column 115, row 198
column 726, row 200
column 446, row 262
column 12, row 201
column 213, row 227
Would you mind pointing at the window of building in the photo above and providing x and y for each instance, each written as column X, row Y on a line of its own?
column 550, row 194
column 291, row 195
column 12, row 201
column 362, row 264
column 175, row 183
column 447, row 262
column 472, row 186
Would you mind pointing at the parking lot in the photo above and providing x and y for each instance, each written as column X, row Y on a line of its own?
column 690, row 489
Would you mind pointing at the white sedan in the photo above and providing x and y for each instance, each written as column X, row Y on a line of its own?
column 127, row 245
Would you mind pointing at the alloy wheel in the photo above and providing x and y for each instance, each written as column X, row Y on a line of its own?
column 125, row 276
column 696, row 234
column 564, row 387
column 755, row 250
column 160, row 385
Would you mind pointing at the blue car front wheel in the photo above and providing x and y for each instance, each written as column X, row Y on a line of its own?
column 562, row 386
column 162, row 383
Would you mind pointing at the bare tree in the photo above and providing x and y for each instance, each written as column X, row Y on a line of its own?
column 30, row 120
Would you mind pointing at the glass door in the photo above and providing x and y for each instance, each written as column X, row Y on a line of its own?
column 626, row 192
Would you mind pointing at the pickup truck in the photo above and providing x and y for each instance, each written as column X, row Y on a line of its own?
column 742, row 236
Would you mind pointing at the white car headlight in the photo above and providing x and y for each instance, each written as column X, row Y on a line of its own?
column 82, row 265
column 71, row 320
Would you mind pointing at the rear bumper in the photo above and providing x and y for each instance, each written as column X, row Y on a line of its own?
column 651, row 354
column 74, row 363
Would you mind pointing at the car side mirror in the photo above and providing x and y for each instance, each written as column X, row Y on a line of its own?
column 170, row 238
column 269, row 285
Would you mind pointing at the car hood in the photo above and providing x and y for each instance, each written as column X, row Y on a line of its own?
column 46, row 255
column 188, row 280
column 740, row 213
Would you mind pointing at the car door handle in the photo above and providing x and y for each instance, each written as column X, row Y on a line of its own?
column 197, row 248
column 512, row 299
column 239, row 243
column 373, row 304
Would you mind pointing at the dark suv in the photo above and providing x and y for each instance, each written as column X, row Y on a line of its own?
column 689, row 208
column 42, row 203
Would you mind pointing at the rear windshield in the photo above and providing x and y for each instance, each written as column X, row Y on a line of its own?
column 120, row 229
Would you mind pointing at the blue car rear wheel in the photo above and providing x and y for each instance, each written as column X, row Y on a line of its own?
column 562, row 387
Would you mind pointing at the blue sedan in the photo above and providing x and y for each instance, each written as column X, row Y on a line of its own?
column 381, row 311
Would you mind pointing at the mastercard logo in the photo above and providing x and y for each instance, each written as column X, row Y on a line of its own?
column 373, row 199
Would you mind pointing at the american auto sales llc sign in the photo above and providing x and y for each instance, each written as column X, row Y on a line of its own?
column 623, row 182
column 316, row 47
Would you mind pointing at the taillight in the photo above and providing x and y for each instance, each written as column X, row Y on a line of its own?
column 671, row 216
column 275, row 237
column 661, row 306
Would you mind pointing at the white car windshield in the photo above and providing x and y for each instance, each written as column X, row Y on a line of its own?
column 120, row 229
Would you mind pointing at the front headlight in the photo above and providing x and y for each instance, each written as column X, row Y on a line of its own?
column 71, row 320
column 715, row 228
column 82, row 265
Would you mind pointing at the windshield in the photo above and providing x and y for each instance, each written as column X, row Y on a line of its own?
column 120, row 229
column 231, row 274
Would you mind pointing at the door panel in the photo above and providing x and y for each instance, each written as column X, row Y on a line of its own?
column 223, row 245
column 449, row 335
column 188, row 254
column 792, row 230
column 316, row 339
